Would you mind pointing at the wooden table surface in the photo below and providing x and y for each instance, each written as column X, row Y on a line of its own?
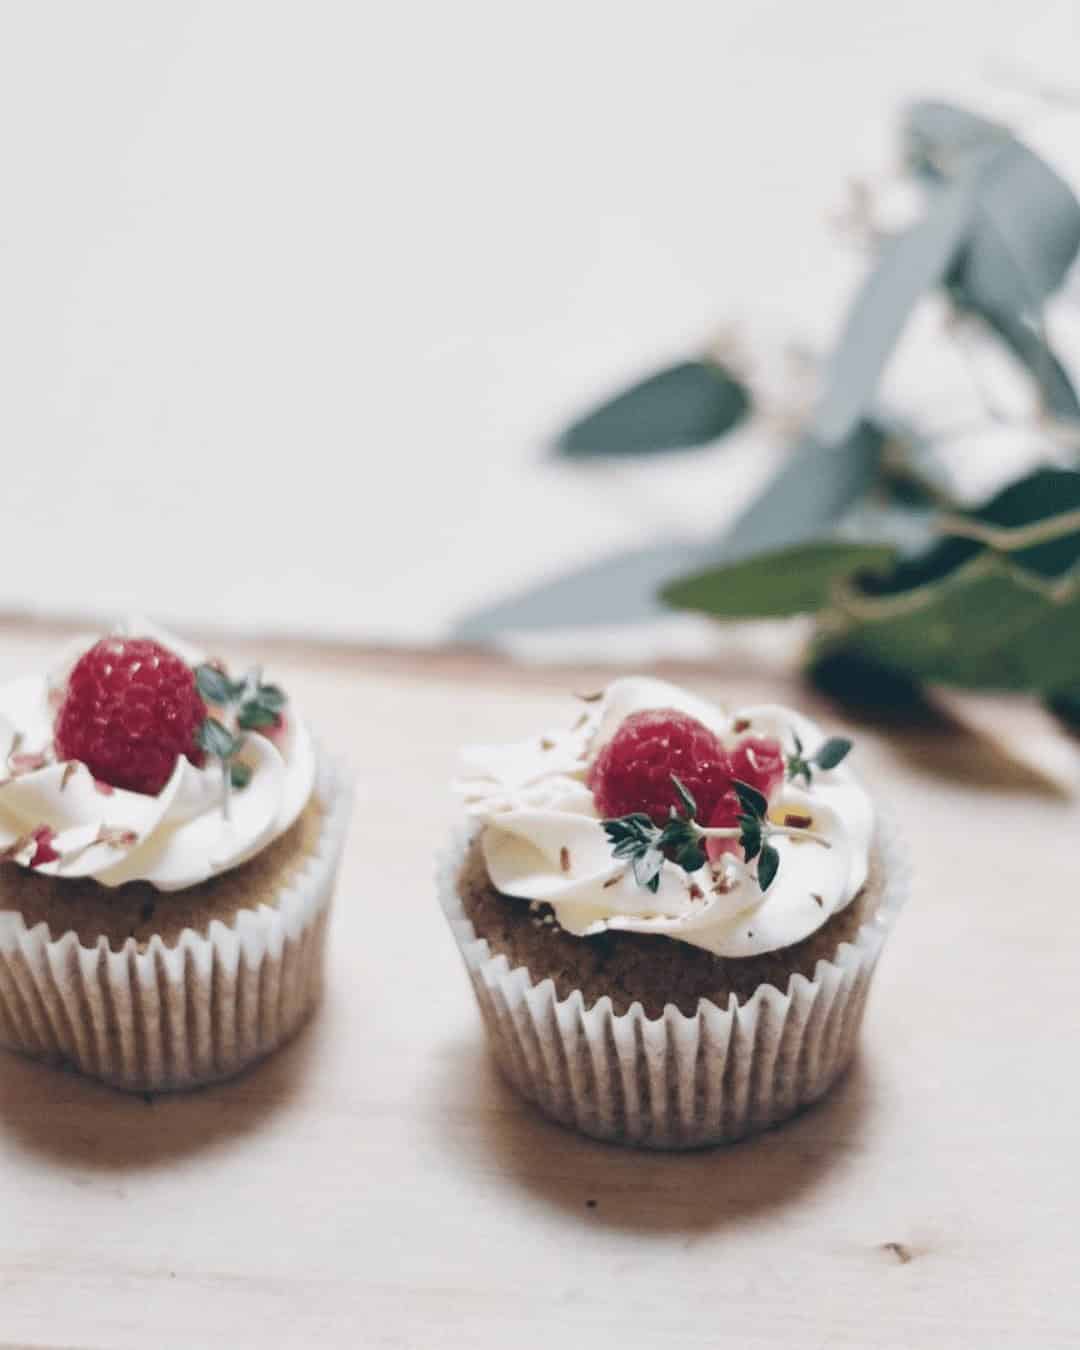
column 376, row 1185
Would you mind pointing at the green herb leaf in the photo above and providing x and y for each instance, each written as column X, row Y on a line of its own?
column 689, row 805
column 832, row 753
column 767, row 866
column 213, row 684
column 691, row 858
column 240, row 774
column 798, row 766
column 751, row 837
column 751, row 800
column 687, row 405
column 216, row 739
column 255, row 714
column 647, row 868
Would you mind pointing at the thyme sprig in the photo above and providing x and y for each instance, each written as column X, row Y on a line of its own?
column 247, row 705
column 827, row 756
column 636, row 839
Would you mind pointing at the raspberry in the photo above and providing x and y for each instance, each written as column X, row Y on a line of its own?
column 759, row 761
column 633, row 771
column 130, row 709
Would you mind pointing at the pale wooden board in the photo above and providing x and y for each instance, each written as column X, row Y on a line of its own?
column 375, row 1185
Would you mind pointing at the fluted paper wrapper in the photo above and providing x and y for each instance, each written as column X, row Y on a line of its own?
column 168, row 1017
column 675, row 1082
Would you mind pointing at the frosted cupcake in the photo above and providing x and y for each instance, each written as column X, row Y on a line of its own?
column 670, row 913
column 170, row 838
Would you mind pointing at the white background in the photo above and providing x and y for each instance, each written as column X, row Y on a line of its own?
column 292, row 294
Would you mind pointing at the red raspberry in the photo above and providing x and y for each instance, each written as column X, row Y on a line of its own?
column 759, row 761
column 130, row 709
column 633, row 771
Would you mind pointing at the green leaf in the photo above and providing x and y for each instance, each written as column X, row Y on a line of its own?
column 751, row 800
column 240, row 775
column 689, row 404
column 794, row 580
column 689, row 805
column 647, row 869
column 1000, row 611
column 618, row 589
column 216, row 739
column 691, row 858
column 767, row 867
column 255, row 714
column 1025, row 236
column 815, row 488
column 811, row 492
column 751, row 837
column 213, row 685
column 833, row 752
column 1030, row 348
column 940, row 137
column 907, row 267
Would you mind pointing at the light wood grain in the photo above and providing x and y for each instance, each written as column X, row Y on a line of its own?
column 375, row 1184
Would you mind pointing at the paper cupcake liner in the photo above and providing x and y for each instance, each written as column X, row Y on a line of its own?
column 163, row 1018
column 676, row 1081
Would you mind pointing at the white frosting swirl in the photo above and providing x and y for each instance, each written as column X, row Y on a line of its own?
column 543, row 840
column 178, row 838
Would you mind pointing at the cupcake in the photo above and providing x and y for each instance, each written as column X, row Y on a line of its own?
column 171, row 837
column 670, row 913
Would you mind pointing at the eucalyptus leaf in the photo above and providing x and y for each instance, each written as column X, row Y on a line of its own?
column 817, row 485
column 1028, row 344
column 687, row 405
column 789, row 581
column 617, row 589
column 938, row 138
column 1025, row 235
column 813, row 489
column 909, row 266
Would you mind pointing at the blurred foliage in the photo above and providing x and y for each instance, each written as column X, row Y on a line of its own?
column 904, row 586
column 687, row 405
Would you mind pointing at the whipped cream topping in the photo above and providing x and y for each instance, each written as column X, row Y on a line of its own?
column 542, row 837
column 177, row 839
